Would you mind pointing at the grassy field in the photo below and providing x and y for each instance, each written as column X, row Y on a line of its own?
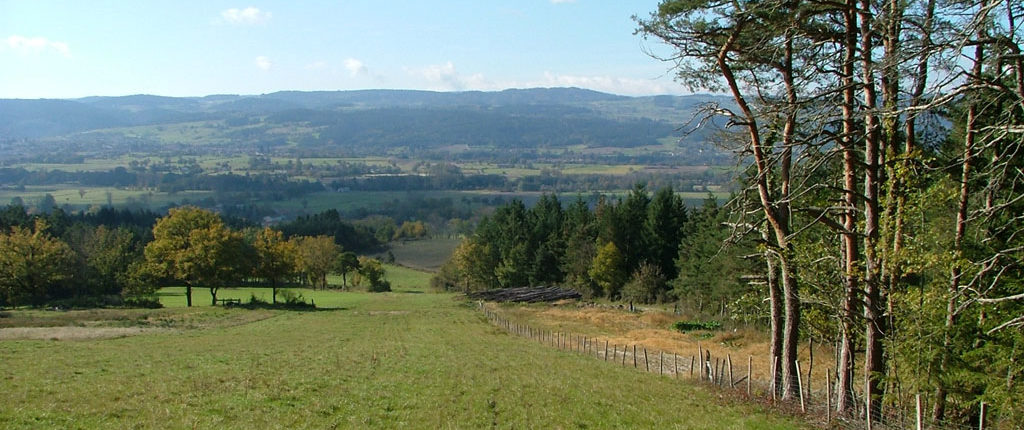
column 405, row 359
column 427, row 254
column 97, row 196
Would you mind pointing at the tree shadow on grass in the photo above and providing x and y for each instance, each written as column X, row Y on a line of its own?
column 282, row 307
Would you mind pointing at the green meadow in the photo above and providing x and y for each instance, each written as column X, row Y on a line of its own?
column 406, row 359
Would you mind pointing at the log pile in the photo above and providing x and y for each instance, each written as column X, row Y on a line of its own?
column 525, row 294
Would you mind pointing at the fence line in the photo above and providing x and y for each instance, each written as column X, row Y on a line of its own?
column 720, row 372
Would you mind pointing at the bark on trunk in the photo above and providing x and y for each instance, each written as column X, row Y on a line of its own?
column 844, row 372
column 874, row 361
column 775, row 305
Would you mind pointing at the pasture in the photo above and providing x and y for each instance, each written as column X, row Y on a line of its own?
column 404, row 359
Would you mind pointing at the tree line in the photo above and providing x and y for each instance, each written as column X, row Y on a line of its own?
column 47, row 260
column 882, row 144
column 623, row 249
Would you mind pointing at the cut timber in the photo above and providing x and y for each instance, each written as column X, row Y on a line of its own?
column 525, row 294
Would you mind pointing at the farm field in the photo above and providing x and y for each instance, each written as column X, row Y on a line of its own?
column 405, row 359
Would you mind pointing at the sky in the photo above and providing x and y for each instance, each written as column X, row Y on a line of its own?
column 70, row 49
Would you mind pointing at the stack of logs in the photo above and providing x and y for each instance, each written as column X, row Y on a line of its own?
column 525, row 294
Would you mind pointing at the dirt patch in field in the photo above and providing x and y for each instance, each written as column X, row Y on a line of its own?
column 72, row 333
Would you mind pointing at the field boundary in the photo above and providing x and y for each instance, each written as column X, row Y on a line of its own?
column 814, row 406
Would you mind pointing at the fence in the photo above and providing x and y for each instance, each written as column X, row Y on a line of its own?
column 817, row 405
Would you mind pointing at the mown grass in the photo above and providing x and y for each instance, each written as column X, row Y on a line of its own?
column 377, row 361
column 426, row 254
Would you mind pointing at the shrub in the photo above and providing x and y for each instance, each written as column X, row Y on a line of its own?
column 143, row 302
column 685, row 326
column 647, row 285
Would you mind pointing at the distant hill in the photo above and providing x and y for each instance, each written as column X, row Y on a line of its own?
column 422, row 120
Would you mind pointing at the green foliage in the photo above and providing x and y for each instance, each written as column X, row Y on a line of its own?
column 31, row 264
column 549, row 245
column 317, row 258
column 663, row 229
column 345, row 263
column 371, row 272
column 609, row 270
column 276, row 258
column 194, row 246
column 647, row 285
column 347, row 235
column 410, row 230
column 687, row 326
column 710, row 262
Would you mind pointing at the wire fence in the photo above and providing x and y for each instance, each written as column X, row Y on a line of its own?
column 817, row 405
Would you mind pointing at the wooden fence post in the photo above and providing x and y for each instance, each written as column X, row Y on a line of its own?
column 728, row 357
column 750, row 365
column 800, row 386
column 647, row 364
column 810, row 364
column 700, row 354
column 661, row 364
column 775, row 368
column 917, row 412
column 867, row 402
column 691, row 367
column 634, row 356
column 675, row 365
column 605, row 350
column 981, row 417
column 828, row 395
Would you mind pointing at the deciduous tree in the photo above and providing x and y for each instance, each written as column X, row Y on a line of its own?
column 31, row 262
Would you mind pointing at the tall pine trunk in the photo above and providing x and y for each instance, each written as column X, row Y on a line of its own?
column 851, row 256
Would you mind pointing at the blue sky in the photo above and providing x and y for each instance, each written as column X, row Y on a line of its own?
column 66, row 49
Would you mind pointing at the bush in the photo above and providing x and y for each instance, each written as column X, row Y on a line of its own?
column 647, row 285
column 143, row 302
column 380, row 286
column 87, row 302
column 288, row 300
column 685, row 326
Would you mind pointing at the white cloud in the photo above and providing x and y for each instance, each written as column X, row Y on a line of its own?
column 264, row 63
column 355, row 67
column 608, row 84
column 247, row 16
column 35, row 45
column 444, row 77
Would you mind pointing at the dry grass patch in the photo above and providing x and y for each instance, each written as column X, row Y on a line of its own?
column 651, row 328
column 71, row 333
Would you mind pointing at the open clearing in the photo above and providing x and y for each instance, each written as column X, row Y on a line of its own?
column 405, row 359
